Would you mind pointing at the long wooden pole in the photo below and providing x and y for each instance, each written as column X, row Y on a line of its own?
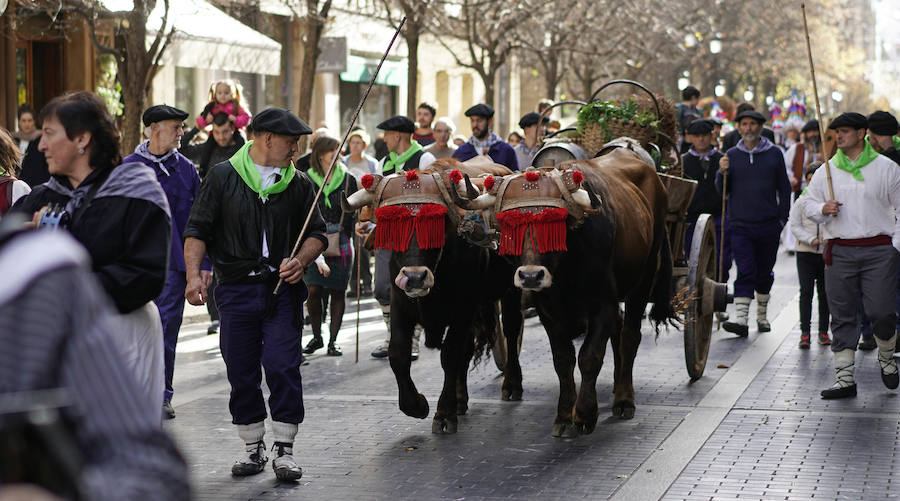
column 358, row 293
column 340, row 148
column 812, row 72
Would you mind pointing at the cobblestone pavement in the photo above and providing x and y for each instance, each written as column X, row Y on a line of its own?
column 752, row 427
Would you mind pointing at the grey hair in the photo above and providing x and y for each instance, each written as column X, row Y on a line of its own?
column 446, row 122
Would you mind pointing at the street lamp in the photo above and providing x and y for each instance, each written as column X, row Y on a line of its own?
column 748, row 95
column 720, row 90
column 683, row 82
column 715, row 45
column 837, row 96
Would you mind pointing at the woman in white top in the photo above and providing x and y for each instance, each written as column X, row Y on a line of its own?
column 11, row 188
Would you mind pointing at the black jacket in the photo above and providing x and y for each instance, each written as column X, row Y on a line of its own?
column 707, row 198
column 334, row 214
column 34, row 165
column 128, row 240
column 230, row 218
column 893, row 154
column 208, row 153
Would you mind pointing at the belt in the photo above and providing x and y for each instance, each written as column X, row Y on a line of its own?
column 855, row 242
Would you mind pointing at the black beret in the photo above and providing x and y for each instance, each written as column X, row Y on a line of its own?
column 882, row 123
column 750, row 114
column 532, row 118
column 480, row 110
column 279, row 121
column 811, row 126
column 398, row 123
column 699, row 127
column 714, row 121
column 162, row 112
column 849, row 119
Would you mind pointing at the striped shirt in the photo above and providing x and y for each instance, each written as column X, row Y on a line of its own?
column 55, row 333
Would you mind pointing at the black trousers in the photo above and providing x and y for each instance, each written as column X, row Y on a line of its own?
column 811, row 272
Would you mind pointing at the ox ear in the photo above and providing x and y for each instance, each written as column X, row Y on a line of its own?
column 359, row 199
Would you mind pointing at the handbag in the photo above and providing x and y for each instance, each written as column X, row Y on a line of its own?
column 334, row 239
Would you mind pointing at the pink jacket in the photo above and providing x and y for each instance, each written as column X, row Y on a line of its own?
column 242, row 118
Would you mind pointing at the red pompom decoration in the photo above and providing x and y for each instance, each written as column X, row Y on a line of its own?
column 577, row 176
column 489, row 182
column 532, row 176
column 455, row 176
column 412, row 175
column 367, row 181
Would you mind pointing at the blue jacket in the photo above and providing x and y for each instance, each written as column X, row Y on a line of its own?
column 502, row 153
column 180, row 181
column 758, row 187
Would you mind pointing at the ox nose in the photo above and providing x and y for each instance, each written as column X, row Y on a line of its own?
column 415, row 279
column 531, row 278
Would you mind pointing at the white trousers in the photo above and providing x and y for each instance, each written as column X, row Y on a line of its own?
column 139, row 337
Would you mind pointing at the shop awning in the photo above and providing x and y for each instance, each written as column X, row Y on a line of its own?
column 209, row 38
column 360, row 69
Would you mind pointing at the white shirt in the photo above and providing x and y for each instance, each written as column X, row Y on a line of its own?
column 269, row 175
column 869, row 206
column 424, row 161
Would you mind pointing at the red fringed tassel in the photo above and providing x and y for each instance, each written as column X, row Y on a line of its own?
column 430, row 226
column 550, row 230
column 394, row 228
column 513, row 224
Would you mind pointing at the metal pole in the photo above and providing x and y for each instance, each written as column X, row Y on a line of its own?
column 812, row 71
column 340, row 148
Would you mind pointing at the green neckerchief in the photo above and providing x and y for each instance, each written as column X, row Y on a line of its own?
column 245, row 168
column 397, row 161
column 337, row 178
column 842, row 162
column 896, row 143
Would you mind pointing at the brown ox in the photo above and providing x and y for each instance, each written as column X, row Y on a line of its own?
column 616, row 251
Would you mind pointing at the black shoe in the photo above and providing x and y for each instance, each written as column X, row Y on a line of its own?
column 867, row 343
column 380, row 352
column 531, row 313
column 284, row 465
column 414, row 356
column 334, row 351
column 254, row 461
column 168, row 411
column 366, row 291
column 763, row 326
column 213, row 328
column 736, row 328
column 844, row 392
column 351, row 293
column 891, row 378
column 804, row 341
column 313, row 345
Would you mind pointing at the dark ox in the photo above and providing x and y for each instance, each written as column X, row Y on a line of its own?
column 615, row 251
column 450, row 289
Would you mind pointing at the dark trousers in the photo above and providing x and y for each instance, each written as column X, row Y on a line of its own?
column 865, row 325
column 251, row 341
column 171, row 309
column 211, row 299
column 811, row 272
column 755, row 248
column 857, row 276
column 725, row 250
column 365, row 272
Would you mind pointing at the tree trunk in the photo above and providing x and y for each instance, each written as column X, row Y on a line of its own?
column 311, row 52
column 133, row 75
column 412, row 70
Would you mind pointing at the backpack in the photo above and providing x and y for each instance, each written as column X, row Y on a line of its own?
column 6, row 193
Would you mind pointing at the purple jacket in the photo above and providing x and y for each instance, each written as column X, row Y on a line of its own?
column 502, row 153
column 180, row 181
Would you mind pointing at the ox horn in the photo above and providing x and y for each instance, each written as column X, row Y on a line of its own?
column 471, row 191
column 359, row 199
column 586, row 199
column 482, row 202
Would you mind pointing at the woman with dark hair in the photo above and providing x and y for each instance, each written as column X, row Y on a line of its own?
column 332, row 271
column 121, row 216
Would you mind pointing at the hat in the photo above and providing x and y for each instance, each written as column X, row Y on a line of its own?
column 882, row 123
column 480, row 110
column 532, row 118
column 850, row 119
column 398, row 123
column 811, row 126
column 162, row 112
column 279, row 121
column 750, row 114
column 699, row 127
column 715, row 121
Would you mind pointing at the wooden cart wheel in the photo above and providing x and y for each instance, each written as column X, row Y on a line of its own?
column 698, row 318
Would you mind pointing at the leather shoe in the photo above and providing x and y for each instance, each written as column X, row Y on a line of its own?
column 867, row 343
column 334, row 351
column 844, row 392
column 168, row 411
column 736, row 328
column 313, row 345
column 380, row 352
column 763, row 326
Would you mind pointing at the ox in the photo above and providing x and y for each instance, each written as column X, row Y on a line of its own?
column 441, row 282
column 580, row 251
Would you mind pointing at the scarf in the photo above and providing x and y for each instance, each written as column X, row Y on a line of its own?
column 143, row 152
column 482, row 147
column 245, row 168
column 702, row 156
column 395, row 163
column 763, row 145
column 131, row 180
column 865, row 158
column 337, row 179
column 896, row 140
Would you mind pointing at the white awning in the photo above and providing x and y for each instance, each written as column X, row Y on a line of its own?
column 209, row 38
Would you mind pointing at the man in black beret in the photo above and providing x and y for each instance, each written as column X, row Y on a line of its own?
column 803, row 154
column 734, row 137
column 883, row 135
column 527, row 147
column 759, row 198
column 247, row 216
column 861, row 251
column 484, row 141
column 179, row 180
column 701, row 163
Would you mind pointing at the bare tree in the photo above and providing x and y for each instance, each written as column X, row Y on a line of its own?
column 548, row 35
column 417, row 17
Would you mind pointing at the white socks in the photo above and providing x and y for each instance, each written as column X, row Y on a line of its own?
column 252, row 433
column 843, row 368
column 762, row 307
column 741, row 310
column 886, row 354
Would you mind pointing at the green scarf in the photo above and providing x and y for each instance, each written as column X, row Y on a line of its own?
column 842, row 162
column 896, row 143
column 337, row 179
column 244, row 166
column 397, row 161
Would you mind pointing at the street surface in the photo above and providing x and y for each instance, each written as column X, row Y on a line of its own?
column 753, row 427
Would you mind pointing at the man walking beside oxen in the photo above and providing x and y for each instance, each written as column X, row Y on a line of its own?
column 485, row 141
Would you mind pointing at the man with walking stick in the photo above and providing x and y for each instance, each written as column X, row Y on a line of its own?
column 247, row 216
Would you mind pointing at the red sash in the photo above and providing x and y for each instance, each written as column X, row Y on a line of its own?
column 855, row 242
